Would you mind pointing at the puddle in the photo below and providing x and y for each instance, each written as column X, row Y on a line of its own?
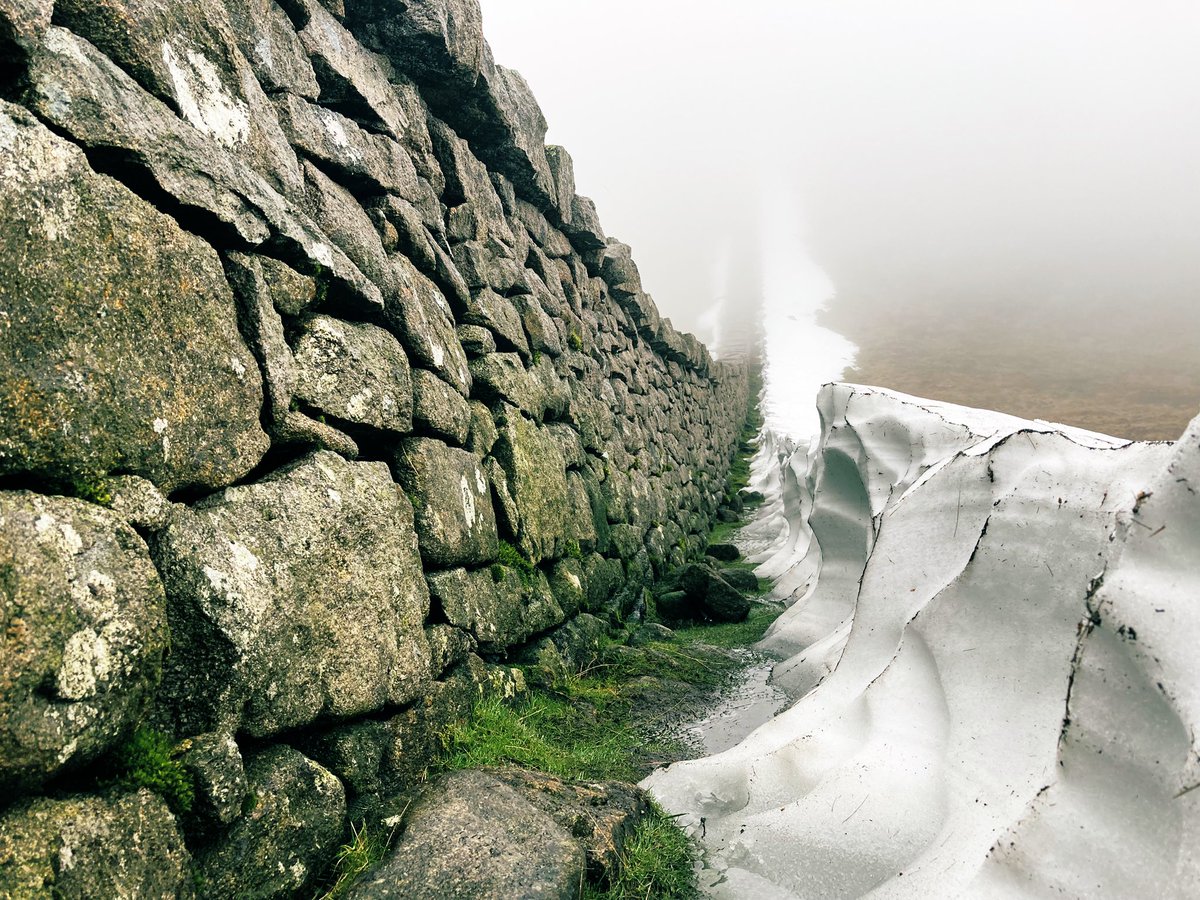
column 743, row 706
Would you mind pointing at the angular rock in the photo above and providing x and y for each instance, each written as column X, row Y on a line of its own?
column 22, row 24
column 448, row 646
column 483, row 433
column 709, row 595
column 215, row 765
column 438, row 409
column 352, row 80
column 476, row 340
column 114, row 845
column 360, row 158
column 471, row 836
column 299, row 430
column 502, row 378
column 488, row 603
column 269, row 42
column 291, row 292
column 79, row 91
column 542, row 332
column 500, row 316
column 83, row 635
column 263, row 327
column 138, row 502
column 185, row 53
column 354, row 372
column 536, row 478
column 723, row 552
column 469, row 188
column 453, row 507
column 117, row 322
column 740, row 579
column 420, row 315
column 292, row 599
column 288, row 836
column 340, row 216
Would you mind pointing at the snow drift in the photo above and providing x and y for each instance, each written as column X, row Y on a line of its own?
column 993, row 658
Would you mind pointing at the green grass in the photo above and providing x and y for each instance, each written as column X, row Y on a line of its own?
column 658, row 862
column 570, row 738
column 508, row 555
column 361, row 853
column 735, row 634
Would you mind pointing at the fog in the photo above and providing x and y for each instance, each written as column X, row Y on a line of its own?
column 1024, row 171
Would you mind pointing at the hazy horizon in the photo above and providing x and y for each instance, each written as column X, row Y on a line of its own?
column 942, row 158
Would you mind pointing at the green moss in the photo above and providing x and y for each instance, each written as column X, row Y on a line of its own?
column 146, row 760
column 658, row 861
column 508, row 555
column 575, row 341
column 92, row 488
column 573, row 550
column 537, row 357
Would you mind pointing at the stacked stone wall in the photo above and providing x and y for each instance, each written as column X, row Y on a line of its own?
column 323, row 399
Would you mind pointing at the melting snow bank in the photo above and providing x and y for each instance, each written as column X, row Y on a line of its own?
column 995, row 666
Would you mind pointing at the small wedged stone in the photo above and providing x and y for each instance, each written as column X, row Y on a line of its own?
column 471, row 836
column 296, row 598
column 500, row 316
column 218, row 775
column 503, row 378
column 723, row 552
column 438, row 409
column 476, row 341
column 355, row 372
column 419, row 314
column 270, row 43
column 299, row 430
column 293, row 822
column 112, row 845
column 84, row 634
column 263, row 326
column 483, row 434
column 118, row 322
column 455, row 523
column 494, row 605
column 138, row 502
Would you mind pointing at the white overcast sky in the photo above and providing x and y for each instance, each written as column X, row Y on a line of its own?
column 963, row 147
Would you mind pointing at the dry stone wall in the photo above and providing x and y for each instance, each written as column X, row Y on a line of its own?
column 323, row 398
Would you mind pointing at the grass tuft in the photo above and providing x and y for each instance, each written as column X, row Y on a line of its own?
column 658, row 862
column 361, row 853
column 508, row 555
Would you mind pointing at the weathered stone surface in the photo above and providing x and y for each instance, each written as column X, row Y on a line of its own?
column 483, row 433
column 567, row 650
column 340, row 216
column 494, row 605
column 476, row 211
column 453, row 507
column 218, row 775
column 500, row 316
column 354, row 372
column 471, row 836
column 438, row 409
column 299, row 430
column 138, row 502
column 296, row 598
column 352, row 80
column 185, row 53
column 22, row 24
column 602, row 816
column 542, row 332
column 723, row 552
column 360, row 158
column 287, row 837
column 709, row 596
column 263, row 327
column 448, row 646
column 116, row 845
column 291, row 292
column 116, row 321
column 537, row 481
column 420, row 315
column 502, row 378
column 269, row 42
column 82, row 637
column 79, row 91
column 568, row 586
column 476, row 340
column 740, row 579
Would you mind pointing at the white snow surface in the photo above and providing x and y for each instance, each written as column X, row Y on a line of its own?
column 993, row 654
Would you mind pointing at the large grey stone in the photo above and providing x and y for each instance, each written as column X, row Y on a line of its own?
column 119, row 347
column 453, row 506
column 287, row 837
column 185, row 52
column 355, row 372
column 537, row 481
column 82, row 637
column 116, row 845
column 214, row 763
column 270, row 43
column 359, row 157
column 82, row 93
column 471, row 836
column 495, row 605
column 295, row 598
